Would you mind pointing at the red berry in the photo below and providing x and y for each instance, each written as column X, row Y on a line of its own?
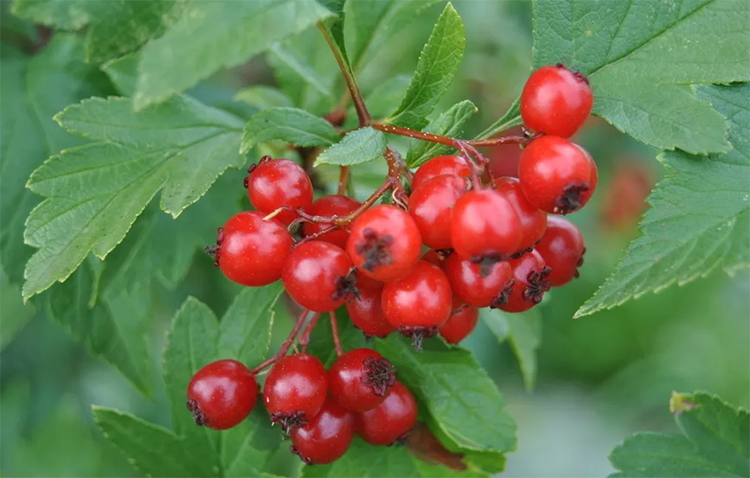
column 436, row 258
column 390, row 421
column 431, row 206
column 460, row 324
column 360, row 379
column 366, row 313
column 319, row 276
column 562, row 249
column 419, row 302
column 533, row 220
column 326, row 437
column 330, row 206
column 530, row 274
column 438, row 166
column 295, row 390
column 275, row 183
column 251, row 251
column 556, row 175
column 556, row 101
column 480, row 285
column 222, row 394
column 485, row 226
column 384, row 243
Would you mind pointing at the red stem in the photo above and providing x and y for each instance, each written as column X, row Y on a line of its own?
column 285, row 346
column 343, row 180
column 335, row 333
column 304, row 339
column 452, row 142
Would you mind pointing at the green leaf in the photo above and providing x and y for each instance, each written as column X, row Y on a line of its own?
column 451, row 123
column 179, row 147
column 371, row 23
column 461, row 399
column 715, row 442
column 385, row 97
column 641, row 55
column 511, row 118
column 123, row 72
column 523, row 332
column 62, row 14
column 699, row 216
column 150, row 448
column 300, row 80
column 287, row 124
column 359, row 146
column 215, row 35
column 127, row 26
column 263, row 97
column 438, row 63
column 14, row 314
column 33, row 90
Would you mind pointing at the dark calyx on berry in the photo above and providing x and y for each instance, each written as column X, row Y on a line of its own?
column 443, row 254
column 380, row 375
column 375, row 249
column 417, row 334
column 486, row 261
column 538, row 285
column 346, row 286
column 502, row 297
column 402, row 439
column 570, row 200
column 214, row 250
column 577, row 274
column 577, row 74
column 295, row 451
column 520, row 254
column 195, row 410
column 289, row 421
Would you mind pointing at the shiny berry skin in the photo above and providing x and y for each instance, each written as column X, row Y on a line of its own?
column 390, row 421
column 556, row 101
column 319, row 276
column 419, row 302
column 384, row 243
column 459, row 325
column 530, row 274
column 360, row 379
column 533, row 220
column 326, row 437
column 295, row 390
column 485, row 225
column 556, row 175
column 330, row 206
column 366, row 313
column 252, row 251
column 431, row 206
column 275, row 183
column 438, row 166
column 222, row 394
column 562, row 249
column 478, row 285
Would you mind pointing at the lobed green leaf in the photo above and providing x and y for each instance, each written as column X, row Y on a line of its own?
column 357, row 147
column 523, row 333
column 263, row 97
column 292, row 125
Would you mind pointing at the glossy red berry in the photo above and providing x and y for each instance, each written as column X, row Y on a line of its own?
column 330, row 206
column 556, row 175
column 479, row 285
column 222, row 394
column 319, row 276
column 556, row 101
column 533, row 220
column 390, row 421
column 360, row 379
column 437, row 257
column 438, row 166
column 366, row 312
column 295, row 390
column 275, row 183
column 431, row 206
column 485, row 226
column 460, row 324
column 384, row 243
column 562, row 249
column 251, row 251
column 326, row 437
column 531, row 282
column 419, row 302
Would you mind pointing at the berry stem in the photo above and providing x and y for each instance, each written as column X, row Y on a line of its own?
column 453, row 142
column 287, row 343
column 343, row 180
column 304, row 339
column 359, row 103
column 335, row 333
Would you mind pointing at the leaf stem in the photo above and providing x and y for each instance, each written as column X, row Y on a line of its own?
column 335, row 333
column 343, row 180
column 287, row 343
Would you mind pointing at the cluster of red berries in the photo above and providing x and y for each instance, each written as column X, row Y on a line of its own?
column 320, row 411
column 491, row 242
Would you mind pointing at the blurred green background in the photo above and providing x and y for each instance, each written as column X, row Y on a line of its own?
column 600, row 378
